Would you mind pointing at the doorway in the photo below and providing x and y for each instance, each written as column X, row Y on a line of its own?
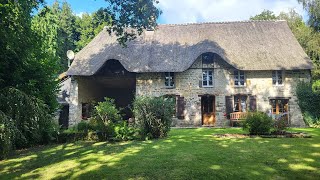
column 208, row 110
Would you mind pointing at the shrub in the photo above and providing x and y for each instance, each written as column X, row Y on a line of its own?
column 122, row 132
column 83, row 126
column 258, row 123
column 153, row 116
column 107, row 111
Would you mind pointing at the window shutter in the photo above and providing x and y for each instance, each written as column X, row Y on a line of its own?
column 229, row 105
column 253, row 103
column 180, row 108
column 200, row 83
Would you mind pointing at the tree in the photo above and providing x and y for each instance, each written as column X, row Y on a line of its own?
column 264, row 15
column 313, row 9
column 131, row 17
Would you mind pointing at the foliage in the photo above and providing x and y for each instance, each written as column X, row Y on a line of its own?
column 33, row 123
column 258, row 123
column 131, row 17
column 122, row 132
column 264, row 15
column 311, row 120
column 106, row 111
column 313, row 9
column 280, row 125
column 7, row 135
column 83, row 126
column 90, row 25
column 308, row 100
column 153, row 116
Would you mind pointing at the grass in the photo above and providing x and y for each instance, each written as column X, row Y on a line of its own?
column 185, row 154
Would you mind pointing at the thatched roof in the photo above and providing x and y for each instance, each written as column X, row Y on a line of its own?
column 247, row 45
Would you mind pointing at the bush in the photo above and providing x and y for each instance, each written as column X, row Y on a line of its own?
column 153, row 116
column 309, row 103
column 107, row 111
column 83, row 126
column 122, row 132
column 7, row 135
column 258, row 123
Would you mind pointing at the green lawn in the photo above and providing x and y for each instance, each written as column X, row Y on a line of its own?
column 185, row 154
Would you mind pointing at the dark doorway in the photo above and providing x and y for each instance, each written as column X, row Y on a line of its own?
column 208, row 110
column 64, row 117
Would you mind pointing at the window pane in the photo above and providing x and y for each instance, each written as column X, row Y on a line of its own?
column 274, row 81
column 166, row 83
column 242, row 82
column 205, row 83
column 241, row 73
column 236, row 83
column 172, row 83
column 210, row 73
column 210, row 83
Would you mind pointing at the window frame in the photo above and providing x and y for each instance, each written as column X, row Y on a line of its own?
column 276, row 78
column 239, row 78
column 207, row 77
column 168, row 79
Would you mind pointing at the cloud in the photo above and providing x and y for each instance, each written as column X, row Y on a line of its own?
column 80, row 14
column 189, row 11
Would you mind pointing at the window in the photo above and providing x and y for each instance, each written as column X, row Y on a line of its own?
column 239, row 79
column 279, row 107
column 207, row 78
column 169, row 79
column 240, row 103
column 277, row 78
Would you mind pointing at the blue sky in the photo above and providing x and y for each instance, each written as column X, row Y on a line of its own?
column 190, row 11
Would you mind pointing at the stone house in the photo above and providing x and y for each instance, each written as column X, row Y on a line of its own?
column 209, row 69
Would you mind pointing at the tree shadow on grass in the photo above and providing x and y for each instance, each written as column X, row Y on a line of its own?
column 185, row 154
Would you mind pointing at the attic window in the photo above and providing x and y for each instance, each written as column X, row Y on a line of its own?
column 207, row 80
column 169, row 79
column 207, row 58
column 277, row 78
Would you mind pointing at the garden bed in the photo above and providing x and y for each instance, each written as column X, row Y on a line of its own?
column 272, row 135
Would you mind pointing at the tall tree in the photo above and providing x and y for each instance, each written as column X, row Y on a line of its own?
column 313, row 9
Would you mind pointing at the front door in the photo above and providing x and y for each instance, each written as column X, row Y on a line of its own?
column 208, row 110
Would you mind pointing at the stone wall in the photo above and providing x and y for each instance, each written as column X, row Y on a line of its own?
column 187, row 84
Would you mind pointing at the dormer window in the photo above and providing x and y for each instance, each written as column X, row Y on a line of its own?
column 277, row 78
column 169, row 79
column 207, row 78
column 239, row 78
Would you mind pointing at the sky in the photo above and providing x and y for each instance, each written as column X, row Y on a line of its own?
column 195, row 11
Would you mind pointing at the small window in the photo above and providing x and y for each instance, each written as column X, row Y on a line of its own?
column 169, row 79
column 207, row 78
column 277, row 78
column 239, row 78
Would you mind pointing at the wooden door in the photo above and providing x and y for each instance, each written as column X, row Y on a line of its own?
column 208, row 110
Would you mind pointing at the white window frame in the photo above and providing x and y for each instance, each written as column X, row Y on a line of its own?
column 169, row 76
column 239, row 78
column 206, row 71
column 276, row 78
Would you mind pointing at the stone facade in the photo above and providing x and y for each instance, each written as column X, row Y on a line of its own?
column 188, row 85
column 258, row 83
